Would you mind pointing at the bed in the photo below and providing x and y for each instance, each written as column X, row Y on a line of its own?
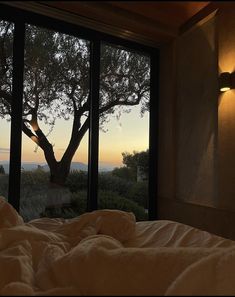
column 106, row 252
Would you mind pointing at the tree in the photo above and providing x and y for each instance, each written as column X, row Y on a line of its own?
column 57, row 85
column 138, row 163
column 124, row 172
column 2, row 170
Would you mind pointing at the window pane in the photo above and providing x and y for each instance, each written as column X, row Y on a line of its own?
column 124, row 130
column 6, row 52
column 55, row 124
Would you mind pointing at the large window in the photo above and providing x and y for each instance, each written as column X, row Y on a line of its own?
column 55, row 124
column 88, row 109
column 6, row 55
column 124, row 126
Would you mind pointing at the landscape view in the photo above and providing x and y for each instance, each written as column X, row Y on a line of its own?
column 55, row 125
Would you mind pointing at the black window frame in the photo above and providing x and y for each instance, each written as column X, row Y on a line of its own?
column 22, row 17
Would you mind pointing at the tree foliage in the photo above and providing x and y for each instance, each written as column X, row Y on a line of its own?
column 124, row 173
column 136, row 165
column 57, row 85
column 2, row 170
column 137, row 161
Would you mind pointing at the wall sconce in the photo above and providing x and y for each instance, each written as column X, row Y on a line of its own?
column 226, row 81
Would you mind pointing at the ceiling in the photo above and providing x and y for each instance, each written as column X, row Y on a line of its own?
column 171, row 13
column 149, row 22
column 158, row 21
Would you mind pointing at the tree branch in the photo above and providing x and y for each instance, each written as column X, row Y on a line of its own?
column 74, row 143
column 120, row 102
column 29, row 133
column 6, row 96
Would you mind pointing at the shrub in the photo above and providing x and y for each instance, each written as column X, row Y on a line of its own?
column 2, row 170
column 77, row 180
column 111, row 200
column 107, row 200
column 79, row 202
column 31, row 206
column 114, row 193
column 138, row 193
column 124, row 173
column 109, row 182
column 35, row 177
column 4, row 185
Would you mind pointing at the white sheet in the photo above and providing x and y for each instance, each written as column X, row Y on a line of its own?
column 165, row 233
column 107, row 253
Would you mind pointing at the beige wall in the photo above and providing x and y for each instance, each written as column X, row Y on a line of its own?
column 226, row 110
column 197, row 126
column 167, row 105
column 196, row 114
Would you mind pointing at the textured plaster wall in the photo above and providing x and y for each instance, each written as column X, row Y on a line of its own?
column 196, row 115
column 166, row 163
column 199, row 139
column 226, row 110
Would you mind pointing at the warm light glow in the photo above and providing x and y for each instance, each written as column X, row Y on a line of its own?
column 35, row 139
column 225, row 81
column 224, row 89
column 125, row 135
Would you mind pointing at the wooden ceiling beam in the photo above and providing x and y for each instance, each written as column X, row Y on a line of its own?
column 123, row 20
column 103, row 17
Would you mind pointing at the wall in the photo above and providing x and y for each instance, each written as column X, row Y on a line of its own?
column 226, row 110
column 196, row 114
column 197, row 126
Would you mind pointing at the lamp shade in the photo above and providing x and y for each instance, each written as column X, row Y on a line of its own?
column 225, row 81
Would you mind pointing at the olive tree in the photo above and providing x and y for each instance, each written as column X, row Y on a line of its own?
column 57, row 85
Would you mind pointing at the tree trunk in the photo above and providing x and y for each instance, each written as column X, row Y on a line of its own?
column 59, row 173
column 57, row 194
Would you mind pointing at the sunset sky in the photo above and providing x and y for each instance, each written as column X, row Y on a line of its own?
column 128, row 134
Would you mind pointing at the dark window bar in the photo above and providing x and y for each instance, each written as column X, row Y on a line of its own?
column 153, row 136
column 16, row 115
column 94, row 126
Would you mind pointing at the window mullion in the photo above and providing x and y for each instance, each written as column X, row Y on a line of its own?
column 94, row 126
column 16, row 115
column 153, row 136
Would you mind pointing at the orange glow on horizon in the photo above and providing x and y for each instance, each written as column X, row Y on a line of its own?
column 128, row 134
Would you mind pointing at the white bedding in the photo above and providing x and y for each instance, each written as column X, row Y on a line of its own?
column 106, row 252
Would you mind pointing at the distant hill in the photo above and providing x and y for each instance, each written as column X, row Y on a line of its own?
column 74, row 166
column 29, row 166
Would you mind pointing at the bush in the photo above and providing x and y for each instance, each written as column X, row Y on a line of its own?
column 32, row 205
column 77, row 180
column 114, row 193
column 109, row 182
column 139, row 193
column 107, row 200
column 111, row 200
column 79, row 202
column 35, row 177
column 4, row 185
column 2, row 170
column 124, row 173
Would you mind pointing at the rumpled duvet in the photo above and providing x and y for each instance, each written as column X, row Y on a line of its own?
column 97, row 254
